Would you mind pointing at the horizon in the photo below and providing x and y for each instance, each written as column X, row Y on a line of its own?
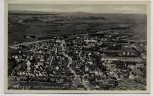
column 84, row 8
column 48, row 13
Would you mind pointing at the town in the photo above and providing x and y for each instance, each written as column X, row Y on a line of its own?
column 88, row 61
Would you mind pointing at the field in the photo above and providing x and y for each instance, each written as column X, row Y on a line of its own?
column 39, row 25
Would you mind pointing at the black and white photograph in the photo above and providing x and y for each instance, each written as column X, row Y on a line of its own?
column 78, row 47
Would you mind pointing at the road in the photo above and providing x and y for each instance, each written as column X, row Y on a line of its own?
column 115, row 74
column 70, row 68
column 51, row 57
column 27, row 43
column 15, row 69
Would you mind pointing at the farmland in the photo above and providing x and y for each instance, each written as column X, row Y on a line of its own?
column 72, row 23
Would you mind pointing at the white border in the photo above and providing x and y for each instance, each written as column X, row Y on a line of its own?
column 2, row 64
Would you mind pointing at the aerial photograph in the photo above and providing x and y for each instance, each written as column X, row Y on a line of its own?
column 77, row 47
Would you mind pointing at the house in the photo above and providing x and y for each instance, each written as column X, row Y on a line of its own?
column 90, row 41
column 132, row 67
column 131, row 76
column 139, row 65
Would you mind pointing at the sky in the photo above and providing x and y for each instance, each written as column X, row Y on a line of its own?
column 92, row 8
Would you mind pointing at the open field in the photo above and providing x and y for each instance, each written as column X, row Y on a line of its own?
column 71, row 23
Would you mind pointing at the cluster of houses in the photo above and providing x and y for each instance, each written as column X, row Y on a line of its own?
column 98, row 60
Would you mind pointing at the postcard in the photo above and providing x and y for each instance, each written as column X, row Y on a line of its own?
column 77, row 46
